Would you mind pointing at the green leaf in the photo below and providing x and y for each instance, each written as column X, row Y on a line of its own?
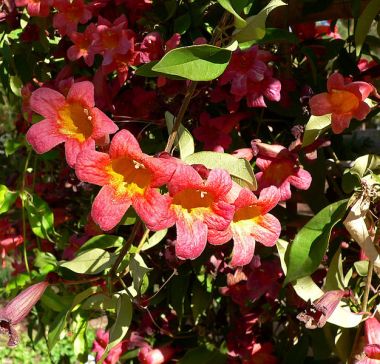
column 197, row 63
column 364, row 23
column 52, row 300
column 239, row 21
column 7, row 198
column 255, row 28
column 200, row 300
column 102, row 242
column 99, row 302
column 238, row 168
column 310, row 244
column 335, row 277
column 186, row 141
column 316, row 126
column 56, row 329
column 16, row 85
column 123, row 319
column 154, row 239
column 178, row 287
column 80, row 342
column 362, row 267
column 203, row 355
column 41, row 218
column 138, row 270
column 90, row 262
column 182, row 23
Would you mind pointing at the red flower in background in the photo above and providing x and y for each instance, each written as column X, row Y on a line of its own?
column 100, row 343
column 343, row 100
column 128, row 177
column 198, row 205
column 219, row 128
column 160, row 355
column 251, row 223
column 70, row 14
column 36, row 7
column 280, row 168
column 73, row 120
column 251, row 77
column 83, row 45
column 9, row 239
column 372, row 342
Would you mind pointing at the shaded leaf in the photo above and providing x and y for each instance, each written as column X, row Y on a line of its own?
column 335, row 277
column 239, row 168
column 239, row 21
column 138, row 270
column 156, row 238
column 200, row 300
column 310, row 244
column 316, row 126
column 364, row 23
column 102, row 242
column 197, row 63
column 255, row 28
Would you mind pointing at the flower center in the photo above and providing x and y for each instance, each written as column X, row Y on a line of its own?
column 129, row 177
column 279, row 171
column 247, row 213
column 75, row 121
column 110, row 39
column 191, row 199
column 343, row 101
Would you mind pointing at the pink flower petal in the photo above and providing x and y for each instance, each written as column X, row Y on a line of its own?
column 269, row 198
column 335, row 81
column 217, row 237
column 301, row 180
column 184, row 177
column 73, row 147
column 244, row 246
column 219, row 182
column 267, row 230
column 362, row 111
column 124, row 144
column 153, row 209
column 220, row 217
column 245, row 198
column 46, row 102
column 82, row 91
column 102, row 124
column 191, row 236
column 339, row 122
column 90, row 167
column 44, row 136
column 360, row 89
column 107, row 210
column 320, row 104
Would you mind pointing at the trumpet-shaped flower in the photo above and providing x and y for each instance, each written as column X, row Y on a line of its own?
column 280, row 168
column 343, row 100
column 82, row 46
column 251, row 222
column 9, row 239
column 36, row 7
column 197, row 206
column 18, row 308
column 371, row 350
column 128, row 177
column 73, row 120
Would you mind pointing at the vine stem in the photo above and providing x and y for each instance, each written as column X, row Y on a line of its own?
column 364, row 309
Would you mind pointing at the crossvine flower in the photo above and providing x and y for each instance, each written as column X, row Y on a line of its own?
column 73, row 120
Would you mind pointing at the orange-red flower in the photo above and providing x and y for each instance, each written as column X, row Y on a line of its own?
column 9, row 239
column 197, row 206
column 73, row 120
column 251, row 222
column 129, row 177
column 371, row 354
column 343, row 100
column 36, row 7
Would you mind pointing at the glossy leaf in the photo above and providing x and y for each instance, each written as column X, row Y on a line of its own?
column 155, row 239
column 197, row 63
column 310, row 244
column 90, row 262
column 364, row 23
column 239, row 21
column 255, row 28
column 102, row 242
column 335, row 278
column 56, row 329
column 138, row 270
column 7, row 198
column 316, row 126
column 238, row 168
column 121, row 326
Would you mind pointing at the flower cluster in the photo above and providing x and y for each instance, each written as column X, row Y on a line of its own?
column 203, row 206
